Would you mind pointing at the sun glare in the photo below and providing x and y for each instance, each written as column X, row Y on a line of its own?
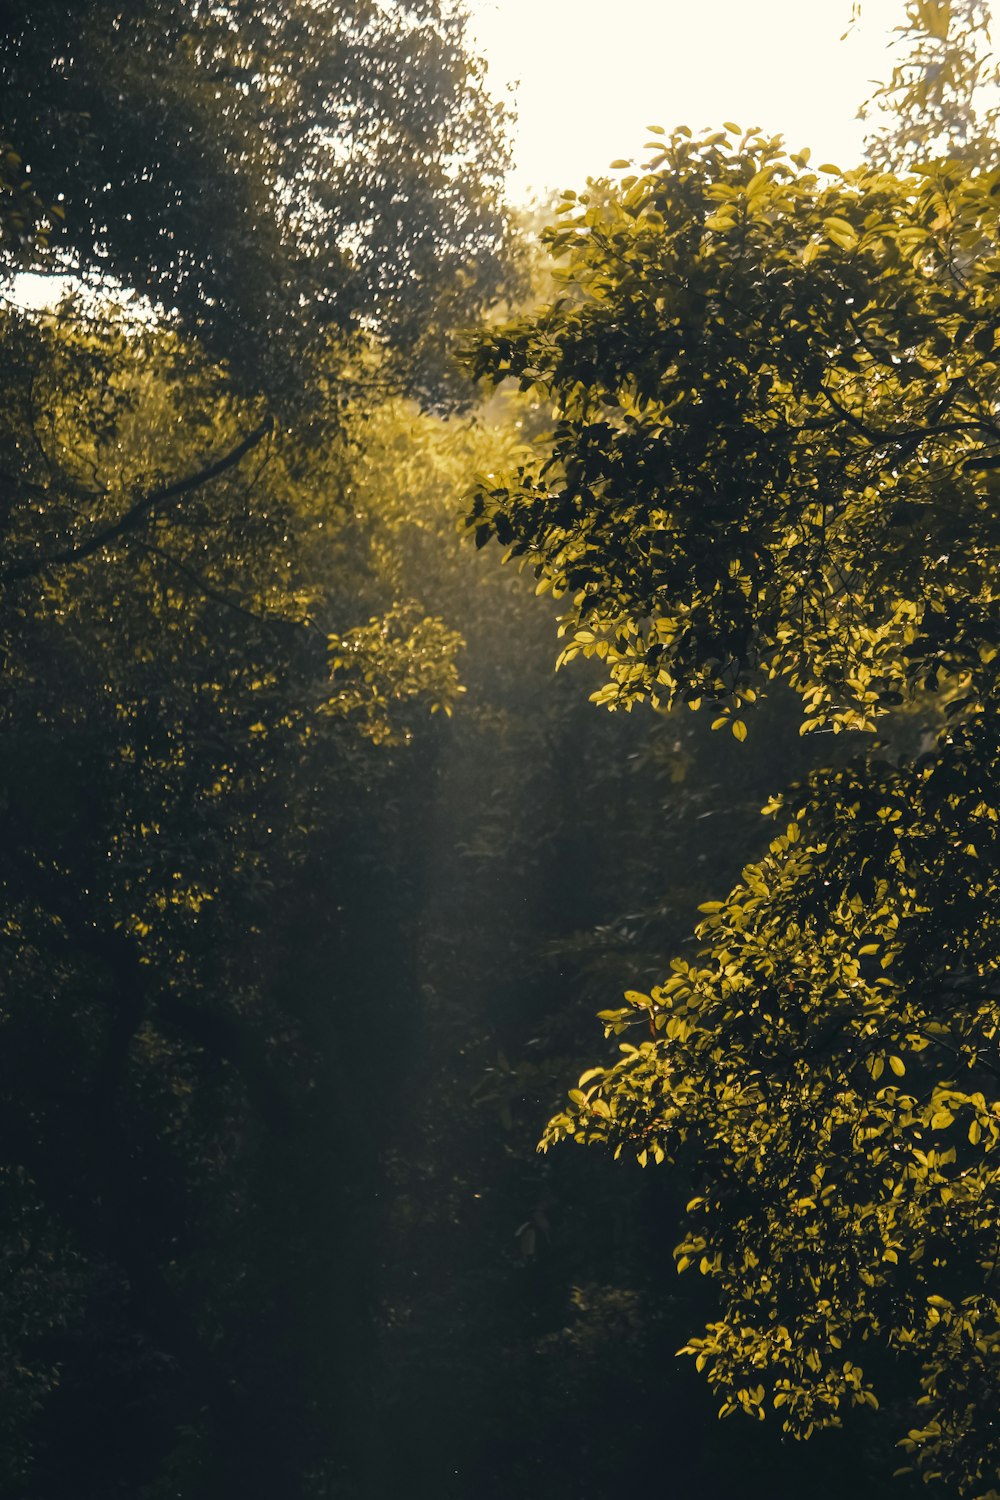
column 588, row 78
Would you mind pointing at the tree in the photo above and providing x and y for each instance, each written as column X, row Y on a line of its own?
column 774, row 458
column 209, row 692
column 276, row 177
column 184, row 756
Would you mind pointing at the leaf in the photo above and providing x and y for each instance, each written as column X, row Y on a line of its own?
column 637, row 998
column 840, row 232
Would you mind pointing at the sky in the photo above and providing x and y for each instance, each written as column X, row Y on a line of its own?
column 588, row 76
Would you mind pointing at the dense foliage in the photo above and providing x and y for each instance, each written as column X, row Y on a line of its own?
column 289, row 959
column 206, row 666
column 273, row 174
column 774, row 459
column 306, row 859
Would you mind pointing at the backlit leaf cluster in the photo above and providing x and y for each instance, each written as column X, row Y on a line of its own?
column 772, row 394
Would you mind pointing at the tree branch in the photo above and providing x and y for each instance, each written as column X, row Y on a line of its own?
column 30, row 567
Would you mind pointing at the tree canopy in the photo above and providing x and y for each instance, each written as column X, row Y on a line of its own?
column 774, row 458
column 305, row 859
column 207, row 673
column 274, row 175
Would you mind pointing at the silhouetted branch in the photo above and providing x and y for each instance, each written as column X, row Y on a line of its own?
column 31, row 567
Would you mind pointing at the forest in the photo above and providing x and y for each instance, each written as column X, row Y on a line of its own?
column 479, row 681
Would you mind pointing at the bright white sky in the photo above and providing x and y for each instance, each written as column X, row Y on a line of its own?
column 590, row 75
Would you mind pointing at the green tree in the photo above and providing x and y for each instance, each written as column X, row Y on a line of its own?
column 774, row 459
column 22, row 232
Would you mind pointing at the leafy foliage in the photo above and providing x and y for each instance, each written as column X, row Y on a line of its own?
column 773, row 458
column 274, row 175
column 21, row 231
column 206, row 679
column 191, row 804
column 941, row 99
column 770, row 393
column 303, row 855
column 524, row 1294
